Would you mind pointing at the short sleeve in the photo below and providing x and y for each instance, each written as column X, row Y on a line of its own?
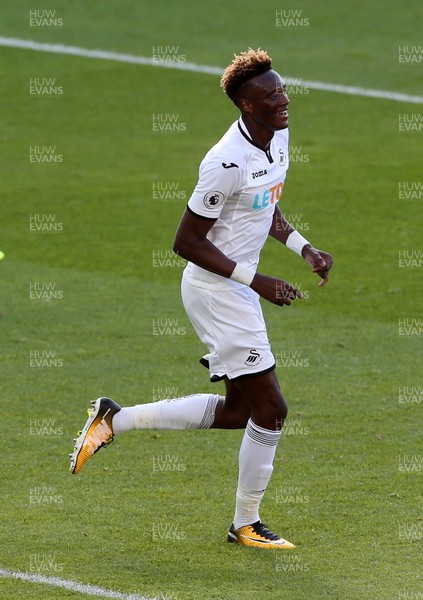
column 218, row 180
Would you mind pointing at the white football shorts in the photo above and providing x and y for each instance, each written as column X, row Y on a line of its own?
column 231, row 324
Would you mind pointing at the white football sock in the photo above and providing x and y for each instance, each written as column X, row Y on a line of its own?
column 189, row 412
column 256, row 456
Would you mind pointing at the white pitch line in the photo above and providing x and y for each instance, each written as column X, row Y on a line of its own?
column 90, row 590
column 105, row 55
column 11, row 42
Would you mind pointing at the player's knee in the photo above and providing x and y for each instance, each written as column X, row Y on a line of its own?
column 271, row 413
column 278, row 411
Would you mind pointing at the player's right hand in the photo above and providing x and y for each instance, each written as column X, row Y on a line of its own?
column 276, row 291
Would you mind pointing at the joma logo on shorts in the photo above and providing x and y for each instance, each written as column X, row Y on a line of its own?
column 253, row 358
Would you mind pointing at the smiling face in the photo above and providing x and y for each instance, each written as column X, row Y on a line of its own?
column 264, row 101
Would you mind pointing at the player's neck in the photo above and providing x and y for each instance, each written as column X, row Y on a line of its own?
column 260, row 136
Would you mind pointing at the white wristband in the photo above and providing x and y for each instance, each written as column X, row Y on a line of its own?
column 296, row 242
column 242, row 274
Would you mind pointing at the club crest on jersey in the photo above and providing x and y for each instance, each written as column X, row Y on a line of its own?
column 282, row 158
column 213, row 199
column 253, row 358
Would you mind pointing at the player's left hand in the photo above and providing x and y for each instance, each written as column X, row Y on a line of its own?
column 321, row 262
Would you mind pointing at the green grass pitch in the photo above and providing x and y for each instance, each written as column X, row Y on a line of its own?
column 149, row 515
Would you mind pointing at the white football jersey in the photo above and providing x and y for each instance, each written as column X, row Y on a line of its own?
column 239, row 185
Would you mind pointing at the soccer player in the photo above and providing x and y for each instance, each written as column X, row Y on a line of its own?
column 232, row 211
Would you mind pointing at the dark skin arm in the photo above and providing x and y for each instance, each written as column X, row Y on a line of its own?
column 321, row 262
column 192, row 244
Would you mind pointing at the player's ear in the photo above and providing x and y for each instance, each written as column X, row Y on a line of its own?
column 245, row 105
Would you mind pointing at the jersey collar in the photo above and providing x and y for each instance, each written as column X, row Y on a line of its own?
column 244, row 131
